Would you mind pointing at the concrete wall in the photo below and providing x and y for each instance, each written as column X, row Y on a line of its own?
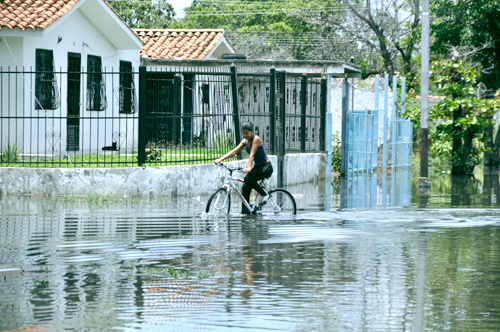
column 169, row 182
column 301, row 168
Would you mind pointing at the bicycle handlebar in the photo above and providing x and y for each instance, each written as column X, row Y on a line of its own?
column 231, row 170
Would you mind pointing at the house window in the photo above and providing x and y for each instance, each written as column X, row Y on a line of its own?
column 96, row 87
column 127, row 88
column 46, row 94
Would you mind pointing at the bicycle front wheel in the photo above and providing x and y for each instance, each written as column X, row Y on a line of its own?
column 219, row 202
column 280, row 203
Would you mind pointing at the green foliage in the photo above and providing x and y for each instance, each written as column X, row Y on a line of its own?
column 199, row 141
column 470, row 24
column 10, row 153
column 412, row 113
column 461, row 117
column 224, row 141
column 336, row 153
column 275, row 30
column 146, row 14
column 457, row 123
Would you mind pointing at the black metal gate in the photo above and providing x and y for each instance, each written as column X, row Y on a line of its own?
column 205, row 110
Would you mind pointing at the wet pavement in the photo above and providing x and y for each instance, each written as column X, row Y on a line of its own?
column 360, row 256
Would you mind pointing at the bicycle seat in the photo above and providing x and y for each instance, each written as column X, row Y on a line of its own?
column 262, row 182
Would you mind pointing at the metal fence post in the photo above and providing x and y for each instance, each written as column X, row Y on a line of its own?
column 283, row 113
column 282, row 133
column 394, row 145
column 404, row 149
column 236, row 112
column 375, row 153
column 303, row 104
column 143, row 104
column 272, row 111
column 326, row 127
column 326, row 134
column 386, row 125
column 344, row 134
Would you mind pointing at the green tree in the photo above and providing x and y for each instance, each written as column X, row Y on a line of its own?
column 274, row 29
column 470, row 24
column 390, row 27
column 462, row 116
column 145, row 14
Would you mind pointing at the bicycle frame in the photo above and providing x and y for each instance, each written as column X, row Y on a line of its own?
column 229, row 184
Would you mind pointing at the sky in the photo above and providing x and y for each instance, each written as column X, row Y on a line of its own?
column 179, row 5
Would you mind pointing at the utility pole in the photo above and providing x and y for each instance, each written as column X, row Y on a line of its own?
column 424, row 184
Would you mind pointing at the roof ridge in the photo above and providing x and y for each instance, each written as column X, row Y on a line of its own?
column 178, row 43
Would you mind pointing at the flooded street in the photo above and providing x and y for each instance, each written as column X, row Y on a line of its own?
column 359, row 256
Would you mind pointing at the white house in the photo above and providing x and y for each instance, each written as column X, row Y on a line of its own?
column 70, row 44
column 64, row 82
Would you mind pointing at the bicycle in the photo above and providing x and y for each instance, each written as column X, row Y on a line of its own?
column 280, row 202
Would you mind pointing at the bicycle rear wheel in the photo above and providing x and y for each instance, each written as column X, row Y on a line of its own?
column 280, row 203
column 219, row 202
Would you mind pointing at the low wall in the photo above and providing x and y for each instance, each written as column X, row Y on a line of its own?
column 172, row 181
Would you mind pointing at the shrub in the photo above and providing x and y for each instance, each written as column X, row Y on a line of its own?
column 11, row 153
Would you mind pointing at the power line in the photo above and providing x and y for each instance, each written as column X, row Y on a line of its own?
column 325, row 42
column 267, row 12
column 286, row 38
column 248, row 2
column 293, row 43
column 242, row 13
column 265, row 32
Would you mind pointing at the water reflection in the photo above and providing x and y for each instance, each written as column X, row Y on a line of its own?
column 374, row 190
column 159, row 266
column 476, row 190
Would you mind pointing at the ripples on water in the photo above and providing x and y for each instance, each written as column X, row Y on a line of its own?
column 168, row 267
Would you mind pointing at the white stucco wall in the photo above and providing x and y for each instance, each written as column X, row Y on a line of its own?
column 173, row 181
column 11, row 59
column 78, row 35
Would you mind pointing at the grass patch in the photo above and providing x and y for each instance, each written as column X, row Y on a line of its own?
column 188, row 156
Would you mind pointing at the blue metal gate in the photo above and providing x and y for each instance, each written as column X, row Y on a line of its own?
column 360, row 126
column 373, row 141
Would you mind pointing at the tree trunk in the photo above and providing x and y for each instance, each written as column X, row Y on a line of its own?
column 488, row 156
column 466, row 151
column 461, row 148
column 460, row 194
column 456, row 168
column 492, row 160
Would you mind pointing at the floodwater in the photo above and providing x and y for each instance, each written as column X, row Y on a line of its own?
column 360, row 256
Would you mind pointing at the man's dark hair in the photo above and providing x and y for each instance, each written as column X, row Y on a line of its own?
column 247, row 126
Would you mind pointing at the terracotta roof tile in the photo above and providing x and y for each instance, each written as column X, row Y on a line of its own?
column 32, row 13
column 178, row 43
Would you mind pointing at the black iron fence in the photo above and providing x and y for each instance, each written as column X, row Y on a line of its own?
column 156, row 117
